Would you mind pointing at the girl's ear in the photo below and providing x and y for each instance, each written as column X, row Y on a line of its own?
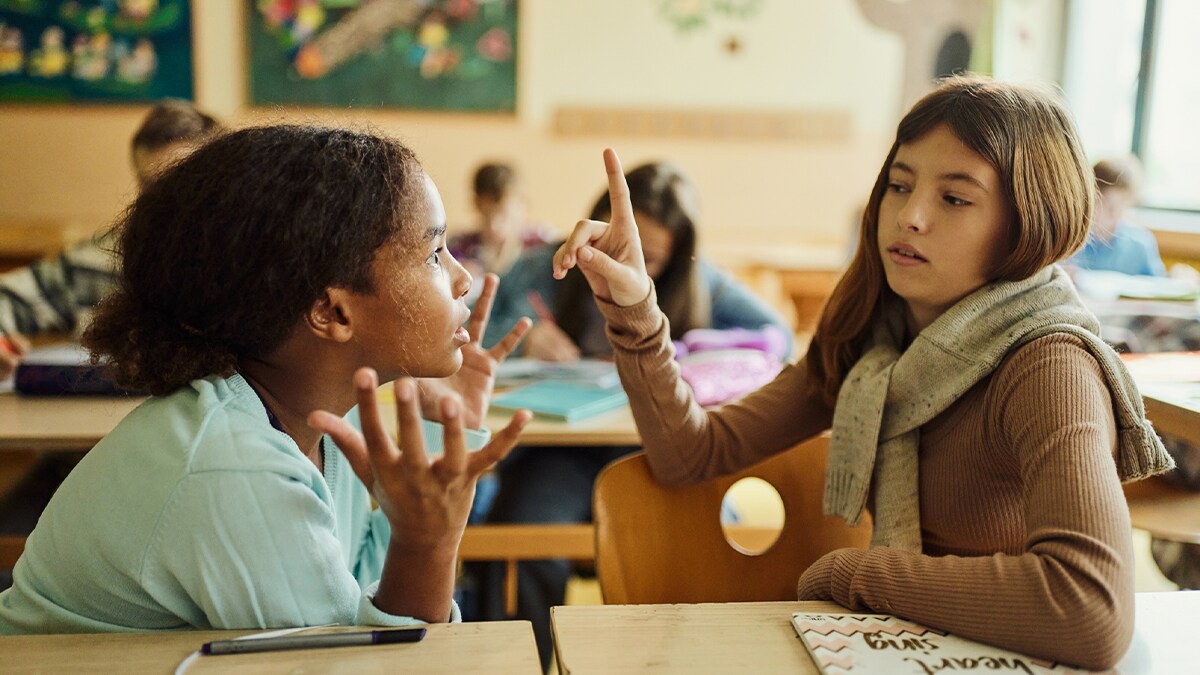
column 329, row 318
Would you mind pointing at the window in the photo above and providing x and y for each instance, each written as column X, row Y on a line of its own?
column 1131, row 78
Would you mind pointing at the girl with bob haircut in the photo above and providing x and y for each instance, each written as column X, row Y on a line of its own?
column 974, row 411
column 269, row 282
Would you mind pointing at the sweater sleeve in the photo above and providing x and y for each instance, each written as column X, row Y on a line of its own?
column 255, row 549
column 1068, row 596
column 685, row 443
column 56, row 293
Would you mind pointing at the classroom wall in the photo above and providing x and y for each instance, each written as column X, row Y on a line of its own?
column 819, row 56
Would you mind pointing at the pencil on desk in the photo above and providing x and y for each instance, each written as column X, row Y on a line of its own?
column 539, row 307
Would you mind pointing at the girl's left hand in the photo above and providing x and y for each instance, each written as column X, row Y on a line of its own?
column 474, row 380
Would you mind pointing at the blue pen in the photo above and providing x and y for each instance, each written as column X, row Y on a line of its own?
column 371, row 637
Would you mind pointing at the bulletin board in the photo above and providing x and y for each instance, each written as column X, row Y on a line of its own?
column 65, row 51
column 425, row 54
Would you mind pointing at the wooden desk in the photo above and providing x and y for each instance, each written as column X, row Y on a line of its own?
column 1165, row 510
column 495, row 647
column 1174, row 408
column 758, row 637
column 79, row 422
column 22, row 242
column 612, row 428
column 59, row 423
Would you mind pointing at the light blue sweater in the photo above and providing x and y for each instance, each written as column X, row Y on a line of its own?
column 1131, row 250
column 196, row 513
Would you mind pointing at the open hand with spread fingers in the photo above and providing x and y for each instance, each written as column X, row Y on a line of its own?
column 475, row 379
column 426, row 501
column 608, row 254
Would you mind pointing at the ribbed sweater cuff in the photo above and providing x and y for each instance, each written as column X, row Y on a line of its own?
column 845, row 567
column 629, row 326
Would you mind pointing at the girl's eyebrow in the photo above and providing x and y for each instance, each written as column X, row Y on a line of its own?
column 954, row 176
column 435, row 231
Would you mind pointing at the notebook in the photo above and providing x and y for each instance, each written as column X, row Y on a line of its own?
column 562, row 400
column 514, row 372
column 880, row 643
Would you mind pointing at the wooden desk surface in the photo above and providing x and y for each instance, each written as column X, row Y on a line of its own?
column 493, row 647
column 758, row 637
column 59, row 422
column 79, row 422
column 1173, row 408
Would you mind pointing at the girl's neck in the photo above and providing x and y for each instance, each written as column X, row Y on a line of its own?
column 285, row 395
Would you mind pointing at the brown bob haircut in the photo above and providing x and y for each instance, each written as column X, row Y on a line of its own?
column 1029, row 138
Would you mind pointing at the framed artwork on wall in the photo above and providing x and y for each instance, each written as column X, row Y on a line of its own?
column 425, row 54
column 69, row 51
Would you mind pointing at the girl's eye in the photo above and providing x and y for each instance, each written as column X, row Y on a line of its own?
column 897, row 187
column 955, row 201
column 435, row 258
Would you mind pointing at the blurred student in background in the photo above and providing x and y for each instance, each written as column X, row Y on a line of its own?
column 503, row 231
column 56, row 294
column 1116, row 243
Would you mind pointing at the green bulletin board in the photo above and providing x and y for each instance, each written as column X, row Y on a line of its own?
column 426, row 54
column 98, row 50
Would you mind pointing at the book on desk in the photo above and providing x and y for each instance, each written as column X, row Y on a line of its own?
column 562, row 399
column 881, row 643
column 59, row 370
column 515, row 372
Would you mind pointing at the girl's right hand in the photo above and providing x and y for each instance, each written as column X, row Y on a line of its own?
column 426, row 502
column 609, row 254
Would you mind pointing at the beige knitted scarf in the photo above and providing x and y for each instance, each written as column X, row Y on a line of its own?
column 890, row 393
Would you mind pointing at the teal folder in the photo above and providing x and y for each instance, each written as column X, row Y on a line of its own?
column 569, row 401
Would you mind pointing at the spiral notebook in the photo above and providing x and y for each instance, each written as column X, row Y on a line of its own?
column 881, row 643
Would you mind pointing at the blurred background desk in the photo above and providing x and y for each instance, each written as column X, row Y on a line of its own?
column 496, row 647
column 59, row 422
column 22, row 242
column 758, row 637
column 795, row 279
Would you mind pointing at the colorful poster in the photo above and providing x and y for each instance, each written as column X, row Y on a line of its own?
column 102, row 50
column 429, row 54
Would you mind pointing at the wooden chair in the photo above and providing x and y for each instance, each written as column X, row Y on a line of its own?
column 526, row 541
column 1164, row 509
column 656, row 544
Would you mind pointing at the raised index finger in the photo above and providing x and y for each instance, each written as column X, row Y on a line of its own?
column 618, row 191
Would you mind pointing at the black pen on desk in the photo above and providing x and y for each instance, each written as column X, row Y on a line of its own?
column 370, row 637
column 539, row 307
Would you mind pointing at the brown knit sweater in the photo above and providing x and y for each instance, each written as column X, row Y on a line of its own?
column 1025, row 531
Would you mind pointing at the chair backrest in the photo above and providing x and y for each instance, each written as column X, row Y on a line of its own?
column 657, row 544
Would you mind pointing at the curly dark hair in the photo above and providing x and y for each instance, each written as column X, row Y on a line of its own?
column 224, row 253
